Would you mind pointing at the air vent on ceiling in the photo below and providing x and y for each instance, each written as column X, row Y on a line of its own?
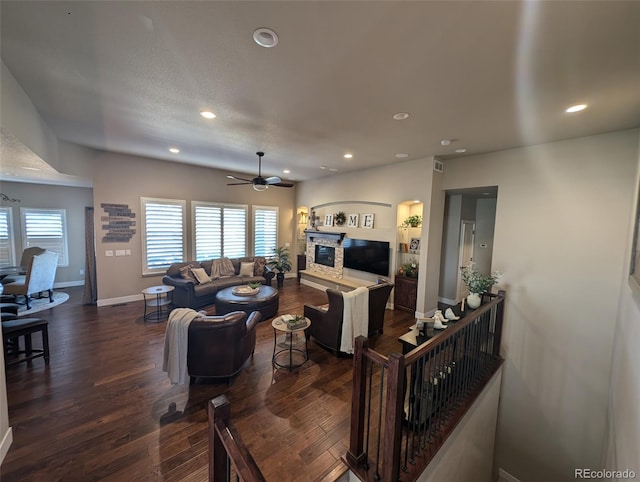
column 438, row 165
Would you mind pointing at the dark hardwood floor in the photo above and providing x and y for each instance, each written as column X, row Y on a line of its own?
column 105, row 410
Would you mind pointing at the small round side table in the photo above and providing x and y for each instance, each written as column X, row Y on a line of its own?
column 296, row 356
column 157, row 302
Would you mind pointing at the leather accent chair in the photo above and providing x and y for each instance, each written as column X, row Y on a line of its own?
column 219, row 346
column 41, row 273
column 326, row 321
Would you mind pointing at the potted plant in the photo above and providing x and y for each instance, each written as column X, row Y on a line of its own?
column 412, row 221
column 477, row 283
column 410, row 269
column 280, row 262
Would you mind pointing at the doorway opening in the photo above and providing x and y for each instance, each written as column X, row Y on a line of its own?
column 469, row 222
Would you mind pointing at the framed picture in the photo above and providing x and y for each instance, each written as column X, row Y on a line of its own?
column 328, row 220
column 367, row 221
column 352, row 220
column 415, row 244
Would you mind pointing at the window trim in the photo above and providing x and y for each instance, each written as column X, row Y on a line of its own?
column 222, row 206
column 63, row 258
column 143, row 221
column 11, row 235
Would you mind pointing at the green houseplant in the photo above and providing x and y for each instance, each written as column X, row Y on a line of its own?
column 280, row 262
column 477, row 283
column 412, row 221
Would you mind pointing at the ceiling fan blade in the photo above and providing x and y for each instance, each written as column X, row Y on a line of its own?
column 282, row 184
column 273, row 180
column 238, row 183
column 238, row 178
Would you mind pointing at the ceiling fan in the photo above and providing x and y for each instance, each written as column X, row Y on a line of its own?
column 260, row 183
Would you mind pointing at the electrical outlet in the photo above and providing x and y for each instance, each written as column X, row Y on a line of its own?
column 120, row 252
column 128, row 253
column 108, row 252
column 81, row 271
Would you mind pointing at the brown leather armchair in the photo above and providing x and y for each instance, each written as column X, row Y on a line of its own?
column 219, row 346
column 326, row 322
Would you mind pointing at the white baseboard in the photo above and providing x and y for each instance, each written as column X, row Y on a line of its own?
column 121, row 299
column 504, row 476
column 447, row 301
column 6, row 443
column 68, row 284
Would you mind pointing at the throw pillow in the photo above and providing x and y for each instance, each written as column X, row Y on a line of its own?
column 201, row 275
column 258, row 266
column 185, row 273
column 246, row 269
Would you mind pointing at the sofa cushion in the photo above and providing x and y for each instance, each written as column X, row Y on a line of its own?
column 201, row 275
column 208, row 290
column 186, row 273
column 246, row 269
column 174, row 269
column 228, row 281
column 258, row 265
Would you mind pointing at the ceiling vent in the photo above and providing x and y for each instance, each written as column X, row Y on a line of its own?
column 438, row 165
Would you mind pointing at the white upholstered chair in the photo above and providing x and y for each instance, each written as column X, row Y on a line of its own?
column 41, row 273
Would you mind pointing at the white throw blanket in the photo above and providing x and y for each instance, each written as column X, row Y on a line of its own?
column 176, row 343
column 355, row 318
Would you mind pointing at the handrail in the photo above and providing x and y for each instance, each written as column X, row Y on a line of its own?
column 227, row 453
column 405, row 406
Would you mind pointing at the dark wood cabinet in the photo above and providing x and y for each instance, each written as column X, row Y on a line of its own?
column 405, row 294
column 302, row 264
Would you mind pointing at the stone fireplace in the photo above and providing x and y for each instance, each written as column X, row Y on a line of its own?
column 325, row 239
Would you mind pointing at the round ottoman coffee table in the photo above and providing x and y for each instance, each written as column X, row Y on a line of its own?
column 266, row 301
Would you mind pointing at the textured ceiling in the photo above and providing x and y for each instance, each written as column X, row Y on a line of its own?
column 132, row 77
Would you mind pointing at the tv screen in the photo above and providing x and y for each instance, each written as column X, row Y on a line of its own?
column 368, row 256
column 325, row 255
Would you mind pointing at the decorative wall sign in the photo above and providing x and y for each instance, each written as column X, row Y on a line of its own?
column 328, row 220
column 352, row 220
column 367, row 221
column 119, row 221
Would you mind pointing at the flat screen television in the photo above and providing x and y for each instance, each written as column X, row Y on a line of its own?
column 368, row 256
column 325, row 255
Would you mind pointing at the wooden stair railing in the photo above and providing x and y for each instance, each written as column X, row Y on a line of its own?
column 405, row 406
column 229, row 458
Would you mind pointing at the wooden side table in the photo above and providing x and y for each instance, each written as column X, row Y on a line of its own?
column 287, row 346
column 157, row 302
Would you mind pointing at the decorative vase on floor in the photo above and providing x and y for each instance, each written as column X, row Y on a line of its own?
column 280, row 279
column 474, row 300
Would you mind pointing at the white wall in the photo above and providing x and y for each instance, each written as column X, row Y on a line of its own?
column 561, row 232
column 485, row 226
column 623, row 450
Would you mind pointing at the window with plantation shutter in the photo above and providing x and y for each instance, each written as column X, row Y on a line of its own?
column 46, row 229
column 7, row 252
column 219, row 230
column 265, row 230
column 163, row 233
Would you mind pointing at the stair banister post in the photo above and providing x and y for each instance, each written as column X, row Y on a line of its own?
column 356, row 455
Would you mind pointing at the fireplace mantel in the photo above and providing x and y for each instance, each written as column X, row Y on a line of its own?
column 337, row 237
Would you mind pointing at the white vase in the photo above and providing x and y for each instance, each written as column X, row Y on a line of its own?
column 474, row 300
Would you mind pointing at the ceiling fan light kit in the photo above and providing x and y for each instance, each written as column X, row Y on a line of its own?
column 259, row 183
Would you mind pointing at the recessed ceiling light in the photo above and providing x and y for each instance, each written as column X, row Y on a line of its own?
column 402, row 155
column 174, row 150
column 401, row 116
column 230, row 177
column 348, row 156
column 323, row 167
column 29, row 168
column 461, row 150
column 445, row 142
column 416, row 201
column 575, row 108
column 265, row 37
column 207, row 114
column 286, row 171
column 333, row 169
